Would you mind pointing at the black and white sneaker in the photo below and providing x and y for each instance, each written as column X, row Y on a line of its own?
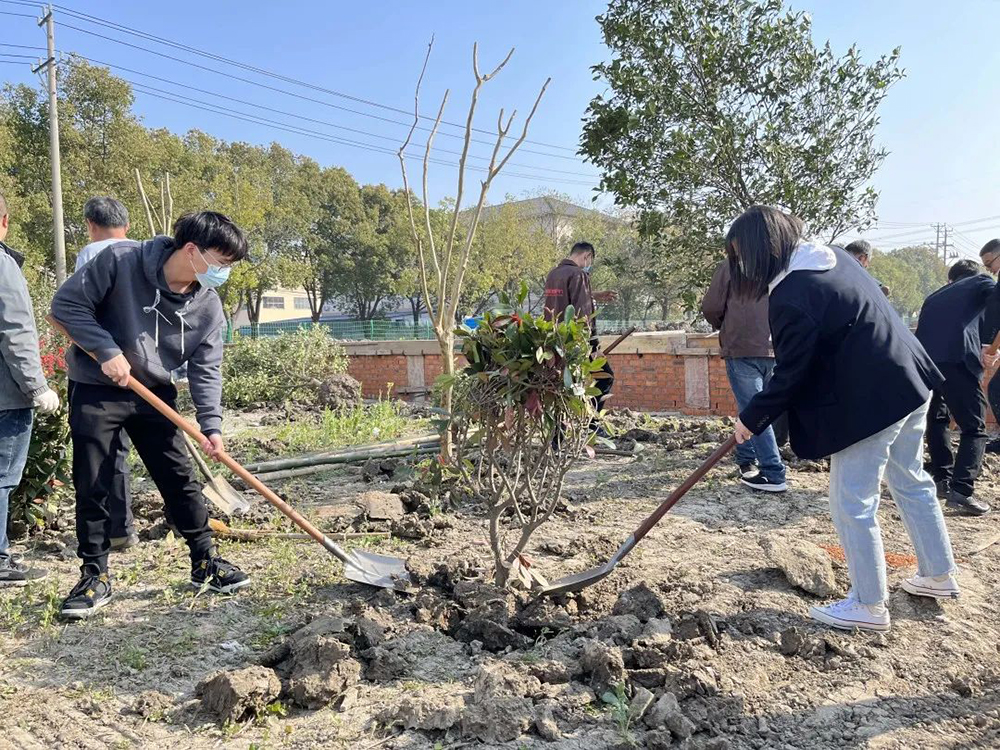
column 14, row 573
column 748, row 470
column 90, row 594
column 943, row 489
column 218, row 575
column 762, row 484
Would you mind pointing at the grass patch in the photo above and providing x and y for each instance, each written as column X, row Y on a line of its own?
column 33, row 606
column 357, row 426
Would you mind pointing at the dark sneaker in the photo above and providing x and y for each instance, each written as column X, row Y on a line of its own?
column 762, row 484
column 14, row 573
column 124, row 542
column 993, row 446
column 220, row 576
column 88, row 596
column 968, row 505
column 748, row 470
column 943, row 489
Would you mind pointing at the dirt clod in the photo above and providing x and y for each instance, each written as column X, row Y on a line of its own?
column 234, row 696
column 640, row 601
column 642, row 699
column 152, row 704
column 603, row 663
column 339, row 391
column 545, row 723
column 318, row 667
column 804, row 564
column 381, row 506
column 424, row 712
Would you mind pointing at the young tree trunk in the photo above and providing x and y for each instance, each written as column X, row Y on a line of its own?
column 446, row 339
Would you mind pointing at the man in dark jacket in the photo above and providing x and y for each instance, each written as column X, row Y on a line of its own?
column 745, row 338
column 142, row 311
column 950, row 328
column 861, row 251
column 568, row 284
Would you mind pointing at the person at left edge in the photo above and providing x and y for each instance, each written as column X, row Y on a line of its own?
column 22, row 388
column 143, row 311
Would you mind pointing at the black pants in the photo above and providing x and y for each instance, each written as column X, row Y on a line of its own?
column 98, row 415
column 120, row 495
column 604, row 386
column 780, row 427
column 962, row 398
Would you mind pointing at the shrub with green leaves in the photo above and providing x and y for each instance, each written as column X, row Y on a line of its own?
column 522, row 412
column 287, row 367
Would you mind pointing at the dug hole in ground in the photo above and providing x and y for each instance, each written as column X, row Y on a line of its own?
column 699, row 639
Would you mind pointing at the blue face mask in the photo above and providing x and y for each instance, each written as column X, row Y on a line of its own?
column 587, row 269
column 213, row 276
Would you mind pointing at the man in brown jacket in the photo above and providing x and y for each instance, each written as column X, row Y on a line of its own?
column 745, row 338
column 569, row 284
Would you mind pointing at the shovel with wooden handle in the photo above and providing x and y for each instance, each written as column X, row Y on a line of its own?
column 359, row 565
column 593, row 575
column 218, row 491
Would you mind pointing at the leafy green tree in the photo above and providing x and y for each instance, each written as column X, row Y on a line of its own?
column 716, row 105
column 375, row 253
column 912, row 274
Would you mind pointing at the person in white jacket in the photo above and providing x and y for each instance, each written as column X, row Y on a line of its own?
column 23, row 388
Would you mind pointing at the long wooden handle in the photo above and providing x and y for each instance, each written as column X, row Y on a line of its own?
column 157, row 403
column 677, row 494
column 614, row 344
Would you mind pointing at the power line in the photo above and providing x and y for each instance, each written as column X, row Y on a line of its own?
column 300, row 96
column 334, row 139
column 305, row 118
column 97, row 21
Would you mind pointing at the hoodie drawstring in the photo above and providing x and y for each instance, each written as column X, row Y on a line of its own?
column 153, row 309
column 180, row 316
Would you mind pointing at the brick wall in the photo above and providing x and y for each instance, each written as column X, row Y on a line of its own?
column 668, row 371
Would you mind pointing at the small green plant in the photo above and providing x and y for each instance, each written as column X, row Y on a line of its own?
column 621, row 712
column 134, row 657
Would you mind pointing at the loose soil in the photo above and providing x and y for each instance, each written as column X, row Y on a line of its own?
column 698, row 639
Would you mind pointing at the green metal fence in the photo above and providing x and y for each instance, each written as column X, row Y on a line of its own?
column 346, row 330
column 387, row 330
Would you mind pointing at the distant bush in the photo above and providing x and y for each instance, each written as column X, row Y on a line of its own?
column 273, row 370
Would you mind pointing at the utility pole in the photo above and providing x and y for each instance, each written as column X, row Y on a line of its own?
column 946, row 246
column 58, row 230
column 937, row 239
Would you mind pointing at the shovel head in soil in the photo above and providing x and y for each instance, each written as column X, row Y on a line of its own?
column 589, row 577
column 377, row 570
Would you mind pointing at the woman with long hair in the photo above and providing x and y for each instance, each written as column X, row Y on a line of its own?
column 856, row 385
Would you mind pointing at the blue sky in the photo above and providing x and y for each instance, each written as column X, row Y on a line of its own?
column 940, row 122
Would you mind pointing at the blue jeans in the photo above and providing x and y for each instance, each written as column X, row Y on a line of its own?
column 855, row 479
column 747, row 378
column 15, row 436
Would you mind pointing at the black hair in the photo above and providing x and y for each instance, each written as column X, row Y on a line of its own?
column 106, row 212
column 860, row 249
column 963, row 269
column 211, row 231
column 581, row 248
column 759, row 246
column 993, row 246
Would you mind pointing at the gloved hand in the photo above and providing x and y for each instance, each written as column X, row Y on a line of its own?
column 46, row 402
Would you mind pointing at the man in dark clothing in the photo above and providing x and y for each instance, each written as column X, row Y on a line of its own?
column 568, row 284
column 143, row 311
column 745, row 338
column 951, row 327
column 861, row 251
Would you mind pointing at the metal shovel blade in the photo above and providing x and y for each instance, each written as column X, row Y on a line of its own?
column 578, row 581
column 229, row 495
column 377, row 570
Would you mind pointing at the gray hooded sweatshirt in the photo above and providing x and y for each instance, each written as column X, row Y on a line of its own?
column 21, row 377
column 119, row 303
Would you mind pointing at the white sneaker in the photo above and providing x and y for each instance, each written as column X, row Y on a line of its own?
column 938, row 587
column 848, row 614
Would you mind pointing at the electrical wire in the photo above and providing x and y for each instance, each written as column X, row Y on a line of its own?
column 121, row 28
column 335, row 139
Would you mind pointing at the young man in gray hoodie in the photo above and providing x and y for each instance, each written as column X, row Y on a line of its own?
column 143, row 311
column 22, row 388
